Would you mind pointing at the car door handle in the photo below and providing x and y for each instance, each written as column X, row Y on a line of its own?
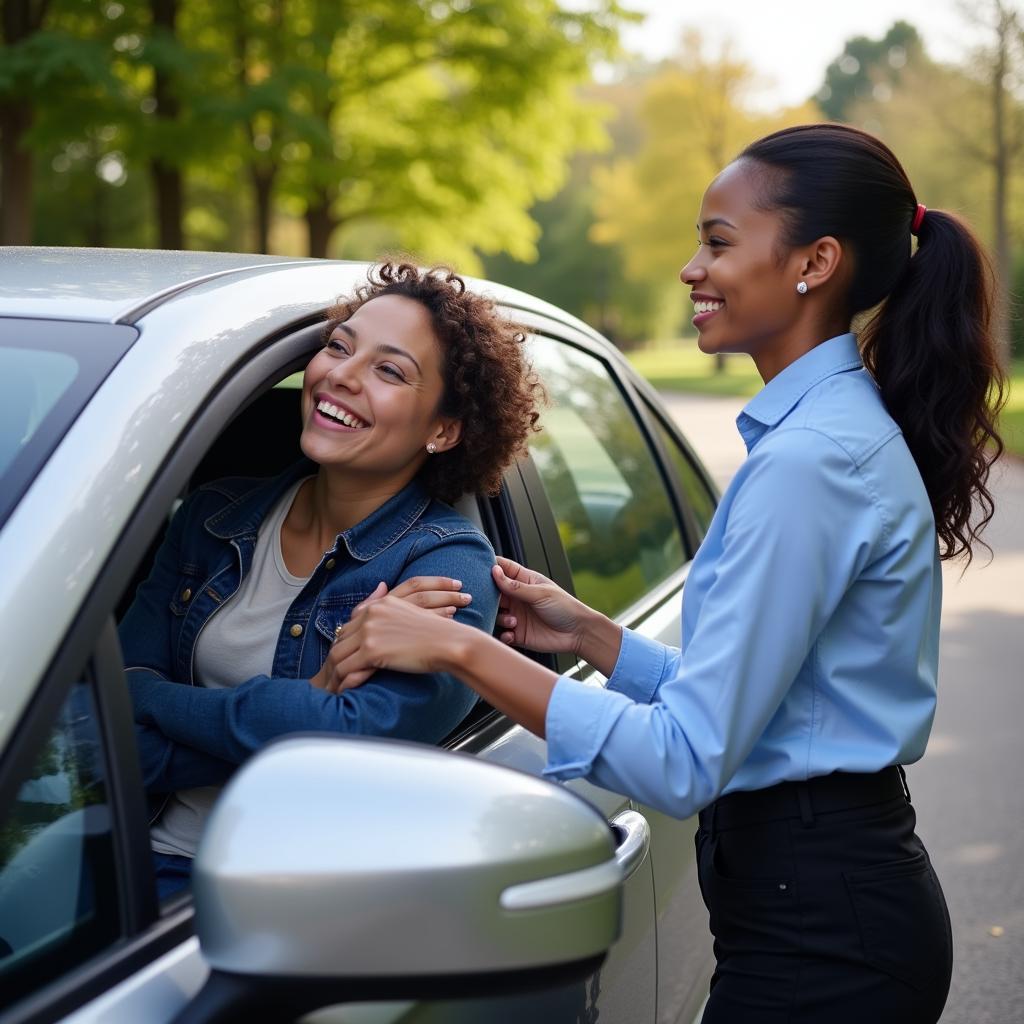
column 636, row 840
column 579, row 885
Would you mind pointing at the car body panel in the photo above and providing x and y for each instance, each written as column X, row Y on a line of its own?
column 108, row 285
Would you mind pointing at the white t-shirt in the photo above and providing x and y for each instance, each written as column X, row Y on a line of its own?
column 237, row 643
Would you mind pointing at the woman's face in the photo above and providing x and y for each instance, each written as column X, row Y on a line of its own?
column 744, row 295
column 370, row 397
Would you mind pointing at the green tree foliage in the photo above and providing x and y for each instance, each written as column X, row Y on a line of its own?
column 53, row 61
column 958, row 129
column 443, row 121
column 696, row 117
column 868, row 68
column 569, row 269
column 431, row 124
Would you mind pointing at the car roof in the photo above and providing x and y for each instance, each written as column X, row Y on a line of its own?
column 123, row 285
column 109, row 285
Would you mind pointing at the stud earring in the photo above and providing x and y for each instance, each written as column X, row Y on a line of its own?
column 802, row 287
column 431, row 448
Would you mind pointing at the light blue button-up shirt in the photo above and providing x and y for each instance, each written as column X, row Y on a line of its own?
column 810, row 614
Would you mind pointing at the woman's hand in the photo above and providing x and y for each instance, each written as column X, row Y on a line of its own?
column 439, row 595
column 436, row 593
column 539, row 615
column 536, row 613
column 389, row 632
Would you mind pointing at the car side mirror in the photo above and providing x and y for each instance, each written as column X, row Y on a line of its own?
column 335, row 869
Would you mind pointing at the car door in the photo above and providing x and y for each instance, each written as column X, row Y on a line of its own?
column 622, row 504
column 148, row 965
column 78, row 912
column 685, row 960
column 166, row 967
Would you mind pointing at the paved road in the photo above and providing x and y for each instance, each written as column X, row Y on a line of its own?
column 969, row 789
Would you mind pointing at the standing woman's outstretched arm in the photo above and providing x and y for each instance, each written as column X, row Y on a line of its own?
column 534, row 613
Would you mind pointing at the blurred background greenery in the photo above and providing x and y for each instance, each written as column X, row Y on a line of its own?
column 511, row 138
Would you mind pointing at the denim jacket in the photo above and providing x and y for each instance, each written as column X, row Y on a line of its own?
column 193, row 736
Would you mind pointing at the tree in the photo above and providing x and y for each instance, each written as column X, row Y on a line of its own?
column 167, row 174
column 259, row 43
column 696, row 119
column 958, row 130
column 868, row 68
column 570, row 271
column 431, row 124
column 1002, row 62
column 41, row 61
column 442, row 121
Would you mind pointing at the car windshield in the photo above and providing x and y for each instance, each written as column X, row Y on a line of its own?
column 48, row 371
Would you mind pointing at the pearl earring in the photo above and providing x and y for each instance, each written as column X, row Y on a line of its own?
column 431, row 448
column 802, row 287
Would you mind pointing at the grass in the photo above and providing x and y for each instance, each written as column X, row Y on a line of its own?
column 681, row 366
column 1012, row 420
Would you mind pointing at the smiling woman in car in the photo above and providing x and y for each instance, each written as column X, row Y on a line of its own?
column 420, row 394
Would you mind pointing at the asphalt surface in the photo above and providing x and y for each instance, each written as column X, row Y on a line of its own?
column 969, row 788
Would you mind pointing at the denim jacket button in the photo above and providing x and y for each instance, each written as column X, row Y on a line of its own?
column 186, row 594
column 296, row 630
column 329, row 564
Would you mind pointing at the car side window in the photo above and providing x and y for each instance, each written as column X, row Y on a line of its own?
column 58, row 893
column 699, row 498
column 614, row 515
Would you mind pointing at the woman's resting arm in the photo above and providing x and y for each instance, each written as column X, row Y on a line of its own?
column 231, row 724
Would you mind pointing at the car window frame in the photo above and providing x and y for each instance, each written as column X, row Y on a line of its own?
column 694, row 534
column 96, row 349
column 91, row 652
column 511, row 526
column 622, row 376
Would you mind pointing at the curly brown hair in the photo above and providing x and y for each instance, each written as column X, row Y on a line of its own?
column 488, row 383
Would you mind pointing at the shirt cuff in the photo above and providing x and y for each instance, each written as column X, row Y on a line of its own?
column 578, row 720
column 639, row 668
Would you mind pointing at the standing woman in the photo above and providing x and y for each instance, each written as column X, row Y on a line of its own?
column 807, row 674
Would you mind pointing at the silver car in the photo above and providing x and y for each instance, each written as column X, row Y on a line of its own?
column 407, row 883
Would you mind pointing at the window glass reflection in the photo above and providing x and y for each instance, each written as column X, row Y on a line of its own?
column 614, row 515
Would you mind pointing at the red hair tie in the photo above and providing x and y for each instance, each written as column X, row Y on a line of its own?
column 919, row 213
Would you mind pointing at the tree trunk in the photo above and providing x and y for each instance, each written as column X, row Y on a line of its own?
column 168, row 182
column 19, row 19
column 320, row 224
column 1001, row 169
column 170, row 205
column 15, row 174
column 96, row 228
column 262, row 190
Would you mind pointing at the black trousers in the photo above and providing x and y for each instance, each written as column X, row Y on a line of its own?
column 824, row 905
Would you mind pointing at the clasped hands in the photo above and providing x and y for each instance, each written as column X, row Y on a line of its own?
column 411, row 628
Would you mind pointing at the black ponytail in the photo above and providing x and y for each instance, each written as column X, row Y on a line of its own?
column 928, row 341
column 930, row 348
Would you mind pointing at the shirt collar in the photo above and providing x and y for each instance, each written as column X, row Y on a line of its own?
column 367, row 539
column 778, row 397
column 244, row 515
column 382, row 527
